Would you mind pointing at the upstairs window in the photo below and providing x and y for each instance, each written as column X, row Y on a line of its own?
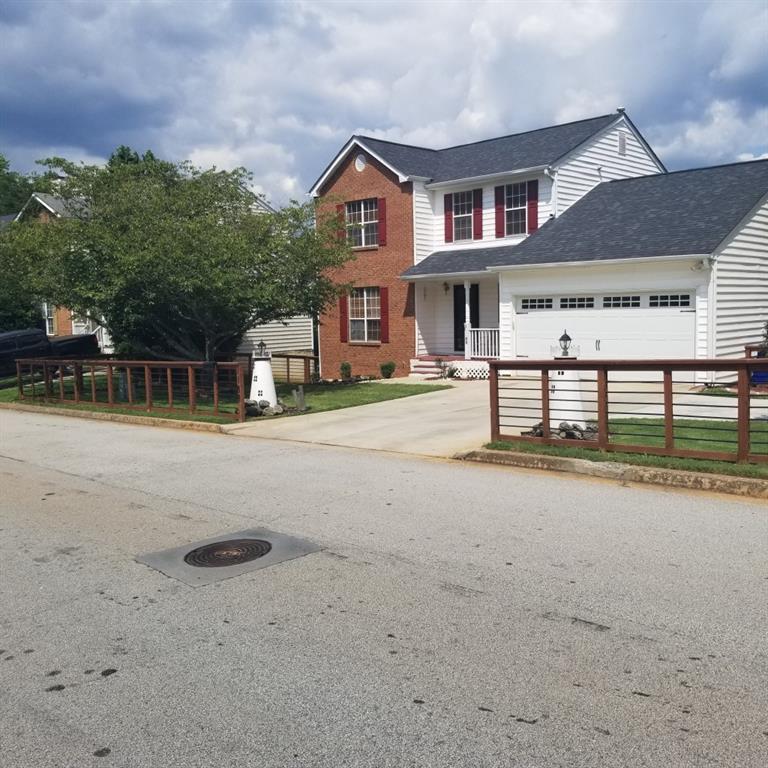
column 362, row 220
column 462, row 215
column 516, row 208
column 365, row 314
column 622, row 143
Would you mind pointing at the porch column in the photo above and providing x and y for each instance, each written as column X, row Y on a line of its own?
column 467, row 322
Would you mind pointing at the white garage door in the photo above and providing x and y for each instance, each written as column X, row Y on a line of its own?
column 609, row 327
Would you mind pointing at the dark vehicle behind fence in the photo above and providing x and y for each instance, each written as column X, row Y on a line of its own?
column 32, row 342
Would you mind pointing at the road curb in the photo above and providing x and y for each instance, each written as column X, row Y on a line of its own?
column 122, row 418
column 676, row 478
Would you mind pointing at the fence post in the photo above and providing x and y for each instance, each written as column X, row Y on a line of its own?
column 240, row 393
column 148, row 387
column 545, row 433
column 307, row 377
column 742, row 453
column 47, row 380
column 110, row 385
column 215, row 389
column 129, row 382
column 493, row 376
column 602, row 408
column 191, row 385
column 78, row 383
column 169, row 381
column 19, row 381
column 669, row 411
column 32, row 380
column 93, row 383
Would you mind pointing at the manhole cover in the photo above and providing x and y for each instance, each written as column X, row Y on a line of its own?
column 230, row 552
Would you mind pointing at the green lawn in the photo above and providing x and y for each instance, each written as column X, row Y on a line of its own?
column 759, row 471
column 318, row 397
column 330, row 397
column 693, row 434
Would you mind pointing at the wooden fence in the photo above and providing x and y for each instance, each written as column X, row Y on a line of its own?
column 202, row 389
column 660, row 407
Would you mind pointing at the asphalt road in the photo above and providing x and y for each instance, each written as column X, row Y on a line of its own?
column 458, row 615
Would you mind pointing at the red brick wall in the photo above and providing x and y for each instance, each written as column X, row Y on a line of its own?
column 62, row 322
column 378, row 266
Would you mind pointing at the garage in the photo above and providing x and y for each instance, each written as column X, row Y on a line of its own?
column 608, row 326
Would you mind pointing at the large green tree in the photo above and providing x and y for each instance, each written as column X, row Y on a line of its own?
column 178, row 260
column 15, row 188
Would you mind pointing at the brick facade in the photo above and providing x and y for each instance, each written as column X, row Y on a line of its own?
column 378, row 266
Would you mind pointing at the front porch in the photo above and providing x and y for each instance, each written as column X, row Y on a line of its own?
column 457, row 321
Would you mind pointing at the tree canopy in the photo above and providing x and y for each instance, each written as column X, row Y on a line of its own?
column 177, row 260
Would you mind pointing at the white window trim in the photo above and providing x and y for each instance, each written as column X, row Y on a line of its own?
column 470, row 215
column 523, row 208
column 363, row 222
column 366, row 316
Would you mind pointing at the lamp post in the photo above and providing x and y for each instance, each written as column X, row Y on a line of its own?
column 565, row 344
column 566, row 401
column 262, row 380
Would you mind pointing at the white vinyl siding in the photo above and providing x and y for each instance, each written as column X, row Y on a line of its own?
column 741, row 286
column 600, row 160
column 292, row 335
column 423, row 226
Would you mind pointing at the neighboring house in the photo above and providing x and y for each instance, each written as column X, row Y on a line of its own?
column 295, row 334
column 492, row 249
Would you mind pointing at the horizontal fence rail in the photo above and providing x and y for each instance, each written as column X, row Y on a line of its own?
column 707, row 409
column 199, row 388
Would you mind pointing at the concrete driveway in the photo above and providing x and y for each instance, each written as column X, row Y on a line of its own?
column 435, row 424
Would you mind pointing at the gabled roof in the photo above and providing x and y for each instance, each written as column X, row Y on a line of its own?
column 674, row 214
column 506, row 154
column 56, row 205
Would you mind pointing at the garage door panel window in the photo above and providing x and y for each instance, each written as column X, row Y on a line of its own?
column 670, row 300
column 365, row 314
column 526, row 305
column 577, row 302
column 620, row 302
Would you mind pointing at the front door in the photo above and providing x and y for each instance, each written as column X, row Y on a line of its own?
column 458, row 313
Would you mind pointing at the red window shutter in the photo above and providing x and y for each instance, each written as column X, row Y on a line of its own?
column 384, row 302
column 477, row 214
column 382, row 221
column 448, row 210
column 533, row 206
column 341, row 214
column 344, row 319
column 499, row 205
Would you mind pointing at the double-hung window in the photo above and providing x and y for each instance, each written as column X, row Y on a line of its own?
column 516, row 208
column 50, row 327
column 362, row 220
column 365, row 314
column 462, row 215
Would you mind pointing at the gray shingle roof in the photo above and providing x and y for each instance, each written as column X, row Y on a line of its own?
column 507, row 153
column 681, row 213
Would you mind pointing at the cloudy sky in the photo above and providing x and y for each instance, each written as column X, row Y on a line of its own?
column 279, row 86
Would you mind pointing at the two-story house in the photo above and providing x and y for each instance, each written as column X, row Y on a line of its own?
column 493, row 249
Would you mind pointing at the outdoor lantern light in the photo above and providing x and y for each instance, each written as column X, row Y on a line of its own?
column 565, row 343
column 261, row 348
column 446, row 287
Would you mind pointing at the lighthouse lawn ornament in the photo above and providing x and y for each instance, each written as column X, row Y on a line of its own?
column 566, row 403
column 262, row 380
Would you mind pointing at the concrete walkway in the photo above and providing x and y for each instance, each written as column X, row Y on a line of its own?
column 435, row 424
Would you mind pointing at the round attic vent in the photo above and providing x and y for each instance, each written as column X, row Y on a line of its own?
column 360, row 163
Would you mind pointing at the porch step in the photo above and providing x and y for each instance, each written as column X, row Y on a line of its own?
column 425, row 367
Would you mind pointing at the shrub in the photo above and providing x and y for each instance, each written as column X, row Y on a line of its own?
column 346, row 370
column 387, row 369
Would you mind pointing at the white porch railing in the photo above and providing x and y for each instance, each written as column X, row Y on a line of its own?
column 482, row 342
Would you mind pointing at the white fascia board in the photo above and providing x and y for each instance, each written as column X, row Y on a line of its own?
column 487, row 177
column 353, row 142
column 443, row 276
column 600, row 262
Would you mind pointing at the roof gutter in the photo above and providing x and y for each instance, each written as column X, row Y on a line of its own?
column 598, row 262
column 487, row 177
column 443, row 275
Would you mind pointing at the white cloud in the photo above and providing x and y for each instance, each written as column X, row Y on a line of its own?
column 279, row 87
